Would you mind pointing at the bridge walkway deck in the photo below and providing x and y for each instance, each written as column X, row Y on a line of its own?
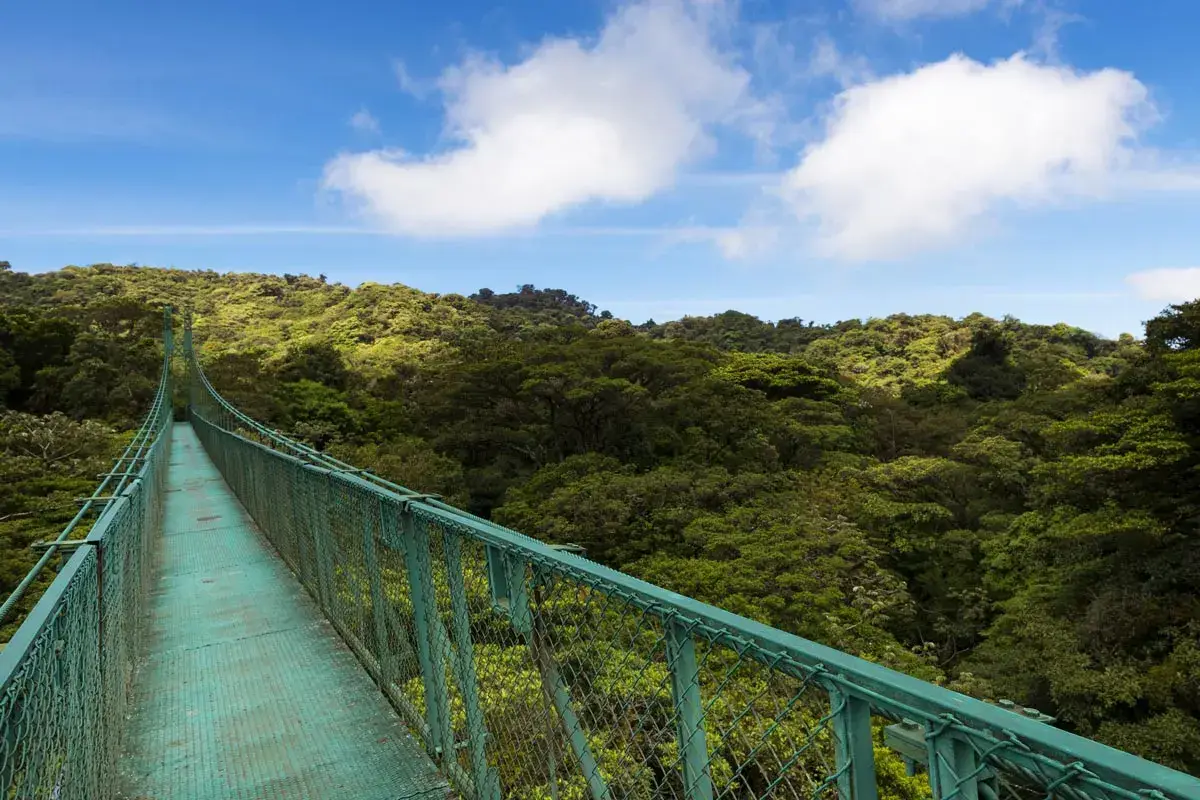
column 246, row 691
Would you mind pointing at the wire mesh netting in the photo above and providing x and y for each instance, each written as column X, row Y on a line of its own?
column 66, row 674
column 585, row 692
column 52, row 706
column 533, row 673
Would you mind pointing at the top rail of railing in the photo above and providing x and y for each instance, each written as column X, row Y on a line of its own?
column 1055, row 763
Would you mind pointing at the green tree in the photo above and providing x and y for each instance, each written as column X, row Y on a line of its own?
column 316, row 413
column 1098, row 581
column 319, row 362
column 46, row 461
column 987, row 371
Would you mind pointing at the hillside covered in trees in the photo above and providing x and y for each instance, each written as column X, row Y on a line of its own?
column 1009, row 509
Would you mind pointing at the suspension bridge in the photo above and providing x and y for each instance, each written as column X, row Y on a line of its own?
column 247, row 617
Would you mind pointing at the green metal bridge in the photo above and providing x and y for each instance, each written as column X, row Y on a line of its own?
column 249, row 618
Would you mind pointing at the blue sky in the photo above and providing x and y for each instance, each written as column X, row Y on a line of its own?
column 828, row 159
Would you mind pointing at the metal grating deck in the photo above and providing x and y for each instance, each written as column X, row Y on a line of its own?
column 247, row 692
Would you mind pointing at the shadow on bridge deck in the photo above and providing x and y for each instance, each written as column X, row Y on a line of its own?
column 247, row 692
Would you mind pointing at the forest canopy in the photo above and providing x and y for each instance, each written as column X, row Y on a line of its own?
column 1008, row 509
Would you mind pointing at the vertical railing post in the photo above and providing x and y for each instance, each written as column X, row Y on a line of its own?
column 689, row 712
column 425, row 616
column 302, row 528
column 517, row 594
column 487, row 781
column 523, row 621
column 954, row 768
column 391, row 538
column 855, row 750
column 383, row 652
column 320, row 537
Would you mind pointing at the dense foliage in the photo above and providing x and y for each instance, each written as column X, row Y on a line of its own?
column 72, row 374
column 1007, row 508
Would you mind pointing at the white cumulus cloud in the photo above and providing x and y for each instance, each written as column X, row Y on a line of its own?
column 575, row 122
column 911, row 161
column 1167, row 285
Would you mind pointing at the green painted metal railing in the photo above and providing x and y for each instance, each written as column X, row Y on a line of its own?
column 65, row 675
column 533, row 673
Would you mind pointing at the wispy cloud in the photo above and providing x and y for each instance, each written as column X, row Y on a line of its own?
column 682, row 233
column 410, row 85
column 827, row 60
column 669, row 233
column 104, row 231
column 364, row 122
column 1172, row 285
column 903, row 10
column 70, row 120
column 736, row 242
column 730, row 179
column 1154, row 175
column 1010, row 294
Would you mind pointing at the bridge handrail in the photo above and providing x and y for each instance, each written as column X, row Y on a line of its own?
column 969, row 743
column 65, row 674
